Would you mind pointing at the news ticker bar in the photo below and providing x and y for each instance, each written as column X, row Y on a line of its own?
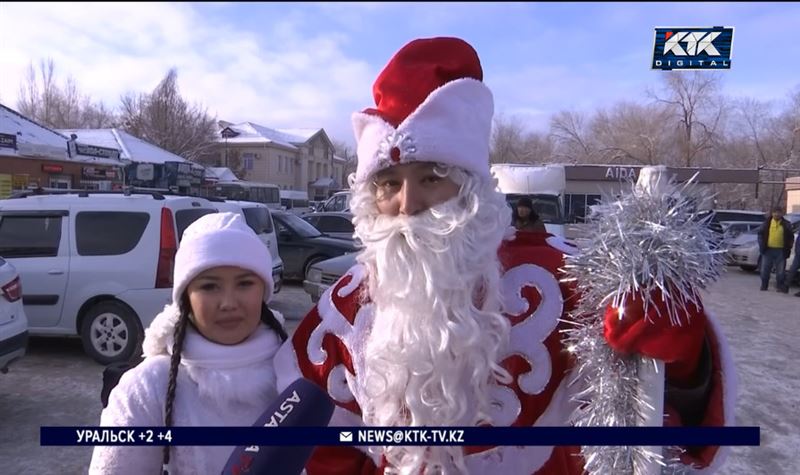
column 379, row 436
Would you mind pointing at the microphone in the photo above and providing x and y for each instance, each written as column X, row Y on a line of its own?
column 301, row 404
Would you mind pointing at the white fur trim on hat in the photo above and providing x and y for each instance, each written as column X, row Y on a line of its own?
column 452, row 126
column 220, row 239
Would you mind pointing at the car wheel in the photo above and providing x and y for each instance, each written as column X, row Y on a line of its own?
column 111, row 332
column 311, row 262
column 749, row 268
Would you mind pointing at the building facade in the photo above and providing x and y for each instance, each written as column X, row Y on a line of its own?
column 587, row 184
column 793, row 194
column 35, row 156
column 293, row 159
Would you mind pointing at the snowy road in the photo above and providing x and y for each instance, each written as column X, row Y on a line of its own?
column 56, row 384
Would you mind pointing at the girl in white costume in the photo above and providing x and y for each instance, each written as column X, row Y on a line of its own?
column 208, row 355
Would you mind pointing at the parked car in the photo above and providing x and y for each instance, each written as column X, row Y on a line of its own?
column 323, row 274
column 721, row 215
column 734, row 228
column 301, row 245
column 259, row 218
column 340, row 201
column 744, row 251
column 13, row 323
column 338, row 224
column 96, row 265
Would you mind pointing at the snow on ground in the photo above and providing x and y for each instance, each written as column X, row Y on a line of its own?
column 763, row 329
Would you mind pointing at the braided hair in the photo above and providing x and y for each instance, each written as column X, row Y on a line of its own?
column 267, row 317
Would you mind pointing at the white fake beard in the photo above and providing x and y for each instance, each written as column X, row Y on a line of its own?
column 438, row 329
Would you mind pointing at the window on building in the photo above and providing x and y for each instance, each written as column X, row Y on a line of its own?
column 319, row 170
column 577, row 206
column 247, row 160
column 325, row 170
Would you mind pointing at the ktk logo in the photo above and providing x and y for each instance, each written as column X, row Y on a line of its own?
column 696, row 43
column 682, row 48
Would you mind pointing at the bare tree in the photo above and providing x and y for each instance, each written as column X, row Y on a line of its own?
column 164, row 118
column 344, row 150
column 631, row 133
column 510, row 142
column 785, row 129
column 699, row 107
column 506, row 140
column 41, row 99
column 571, row 133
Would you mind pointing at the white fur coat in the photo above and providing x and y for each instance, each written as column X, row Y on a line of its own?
column 217, row 385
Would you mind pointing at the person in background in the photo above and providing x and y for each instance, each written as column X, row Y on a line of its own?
column 208, row 354
column 526, row 218
column 775, row 239
column 795, row 267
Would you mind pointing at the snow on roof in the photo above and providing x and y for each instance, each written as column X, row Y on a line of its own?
column 36, row 140
column 222, row 174
column 305, row 134
column 249, row 132
column 130, row 147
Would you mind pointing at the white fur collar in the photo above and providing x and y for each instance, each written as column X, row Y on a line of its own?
column 223, row 373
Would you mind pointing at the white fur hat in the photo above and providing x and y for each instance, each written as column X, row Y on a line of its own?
column 430, row 106
column 220, row 239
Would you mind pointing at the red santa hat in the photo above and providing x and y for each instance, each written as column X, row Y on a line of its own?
column 431, row 106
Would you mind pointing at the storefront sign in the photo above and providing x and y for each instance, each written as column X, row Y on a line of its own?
column 8, row 141
column 145, row 171
column 52, row 168
column 95, row 151
column 621, row 173
column 19, row 182
column 5, row 186
column 95, row 173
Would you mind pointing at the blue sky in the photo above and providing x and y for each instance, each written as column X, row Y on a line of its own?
column 311, row 65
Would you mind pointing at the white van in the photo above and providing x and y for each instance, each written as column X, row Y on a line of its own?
column 295, row 201
column 96, row 265
column 545, row 185
column 259, row 218
column 340, row 201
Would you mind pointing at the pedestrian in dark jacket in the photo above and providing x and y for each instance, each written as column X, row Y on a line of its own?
column 775, row 239
column 526, row 218
column 795, row 267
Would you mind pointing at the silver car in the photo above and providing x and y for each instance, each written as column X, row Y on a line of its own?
column 325, row 273
column 13, row 323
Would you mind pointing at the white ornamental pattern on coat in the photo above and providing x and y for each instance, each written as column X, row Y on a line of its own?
column 528, row 336
column 526, row 339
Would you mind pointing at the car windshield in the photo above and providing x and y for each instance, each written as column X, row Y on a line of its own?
column 546, row 206
column 298, row 225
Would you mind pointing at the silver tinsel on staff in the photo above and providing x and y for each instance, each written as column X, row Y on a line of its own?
column 652, row 237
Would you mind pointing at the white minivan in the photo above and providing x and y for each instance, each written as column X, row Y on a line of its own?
column 96, row 265
column 259, row 218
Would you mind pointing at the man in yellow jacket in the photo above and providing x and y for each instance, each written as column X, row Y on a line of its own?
column 775, row 239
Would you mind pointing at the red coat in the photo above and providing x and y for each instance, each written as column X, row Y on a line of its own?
column 325, row 349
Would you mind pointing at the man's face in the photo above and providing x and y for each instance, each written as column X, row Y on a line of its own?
column 777, row 215
column 411, row 188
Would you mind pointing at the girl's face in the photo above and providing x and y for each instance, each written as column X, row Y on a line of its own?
column 523, row 211
column 226, row 303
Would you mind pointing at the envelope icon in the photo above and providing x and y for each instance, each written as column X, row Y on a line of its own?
column 346, row 436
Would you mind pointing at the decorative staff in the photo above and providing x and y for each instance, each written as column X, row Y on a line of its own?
column 648, row 252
